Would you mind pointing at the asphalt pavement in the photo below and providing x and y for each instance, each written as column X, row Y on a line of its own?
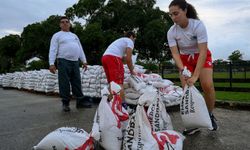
column 26, row 118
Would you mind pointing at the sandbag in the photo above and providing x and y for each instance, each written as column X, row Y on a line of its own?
column 108, row 120
column 158, row 116
column 140, row 136
column 136, row 82
column 66, row 138
column 193, row 109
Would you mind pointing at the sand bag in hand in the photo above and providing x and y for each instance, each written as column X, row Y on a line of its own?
column 107, row 127
column 193, row 109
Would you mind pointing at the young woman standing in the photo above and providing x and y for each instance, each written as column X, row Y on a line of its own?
column 187, row 39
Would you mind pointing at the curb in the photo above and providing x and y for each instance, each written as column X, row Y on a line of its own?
column 233, row 105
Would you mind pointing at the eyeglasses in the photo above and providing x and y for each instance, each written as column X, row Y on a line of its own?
column 64, row 21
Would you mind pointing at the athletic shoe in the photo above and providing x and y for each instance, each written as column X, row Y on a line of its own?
column 191, row 131
column 214, row 124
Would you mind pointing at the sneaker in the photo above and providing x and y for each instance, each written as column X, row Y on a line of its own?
column 66, row 108
column 214, row 124
column 191, row 131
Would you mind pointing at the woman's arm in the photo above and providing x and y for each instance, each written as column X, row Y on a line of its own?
column 200, row 63
column 176, row 56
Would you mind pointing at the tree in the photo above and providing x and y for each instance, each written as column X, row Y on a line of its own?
column 117, row 16
column 235, row 56
column 36, row 39
column 9, row 45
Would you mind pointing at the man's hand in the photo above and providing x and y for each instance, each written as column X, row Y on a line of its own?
column 133, row 72
column 52, row 69
column 84, row 66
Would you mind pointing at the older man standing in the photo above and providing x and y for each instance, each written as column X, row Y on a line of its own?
column 65, row 46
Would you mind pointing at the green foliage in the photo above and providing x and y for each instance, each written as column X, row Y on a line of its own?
column 235, row 56
column 149, row 65
column 105, row 22
column 37, row 65
column 9, row 45
column 5, row 64
column 118, row 16
column 233, row 96
column 36, row 39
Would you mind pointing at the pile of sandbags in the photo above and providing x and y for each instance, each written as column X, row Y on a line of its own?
column 93, row 80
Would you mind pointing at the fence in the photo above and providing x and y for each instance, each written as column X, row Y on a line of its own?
column 227, row 76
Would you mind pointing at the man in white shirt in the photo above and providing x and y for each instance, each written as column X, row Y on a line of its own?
column 65, row 46
column 112, row 59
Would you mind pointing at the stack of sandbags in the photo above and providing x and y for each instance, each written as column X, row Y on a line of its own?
column 1, row 79
column 91, row 81
column 7, row 80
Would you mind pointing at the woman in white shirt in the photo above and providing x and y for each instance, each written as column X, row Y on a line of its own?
column 187, row 39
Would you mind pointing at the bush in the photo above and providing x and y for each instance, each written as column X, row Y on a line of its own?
column 37, row 65
column 150, row 66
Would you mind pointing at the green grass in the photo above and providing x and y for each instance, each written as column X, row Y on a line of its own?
column 227, row 84
column 227, row 95
column 233, row 96
column 224, row 75
column 223, row 84
column 224, row 95
column 236, row 75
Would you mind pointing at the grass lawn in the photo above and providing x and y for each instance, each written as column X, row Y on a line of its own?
column 230, row 96
column 225, row 95
column 224, row 75
column 233, row 96
column 223, row 84
column 227, row 84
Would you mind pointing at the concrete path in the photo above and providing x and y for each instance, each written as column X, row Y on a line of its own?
column 25, row 118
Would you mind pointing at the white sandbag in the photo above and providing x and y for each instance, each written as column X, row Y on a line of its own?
column 147, row 98
column 158, row 116
column 169, row 140
column 132, row 95
column 63, row 138
column 162, row 84
column 131, row 101
column 138, row 133
column 193, row 109
column 140, row 136
column 136, row 82
column 107, row 127
column 109, row 130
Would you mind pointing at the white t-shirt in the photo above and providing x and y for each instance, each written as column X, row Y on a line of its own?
column 118, row 47
column 66, row 45
column 187, row 39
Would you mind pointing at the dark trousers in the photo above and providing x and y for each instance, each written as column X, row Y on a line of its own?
column 69, row 74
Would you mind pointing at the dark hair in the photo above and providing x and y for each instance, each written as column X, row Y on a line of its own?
column 64, row 17
column 191, row 12
column 129, row 34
